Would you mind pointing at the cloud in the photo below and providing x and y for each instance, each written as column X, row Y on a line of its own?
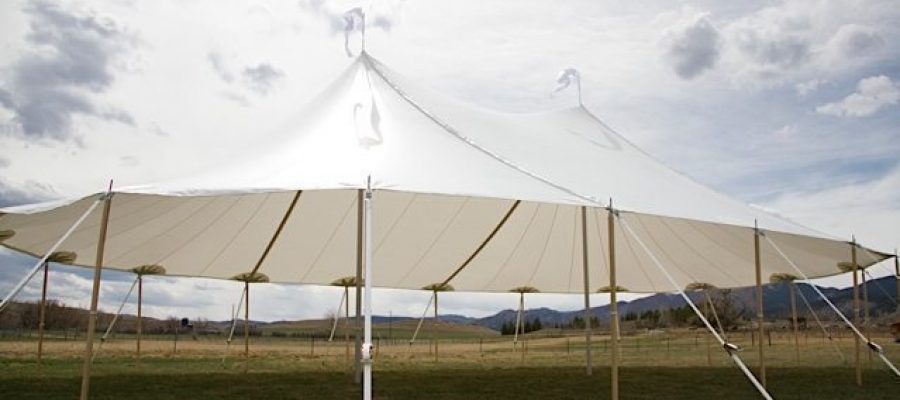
column 868, row 208
column 4, row 162
column 72, row 58
column 853, row 40
column 218, row 65
column 258, row 79
column 129, row 161
column 28, row 193
column 261, row 77
column 773, row 49
column 804, row 89
column 872, row 94
column 694, row 47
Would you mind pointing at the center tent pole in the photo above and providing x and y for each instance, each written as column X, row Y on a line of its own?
column 854, row 267
column 613, row 307
column 366, row 349
column 587, row 297
column 95, row 296
column 360, row 220
column 759, row 304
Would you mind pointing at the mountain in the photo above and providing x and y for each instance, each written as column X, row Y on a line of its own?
column 776, row 303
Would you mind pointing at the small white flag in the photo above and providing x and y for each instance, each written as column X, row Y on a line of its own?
column 566, row 77
column 354, row 19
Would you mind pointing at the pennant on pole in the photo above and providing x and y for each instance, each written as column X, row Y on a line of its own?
column 354, row 19
column 566, row 78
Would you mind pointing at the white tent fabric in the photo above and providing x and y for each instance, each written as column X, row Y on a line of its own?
column 445, row 174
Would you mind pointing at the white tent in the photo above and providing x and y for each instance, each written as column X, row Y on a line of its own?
column 445, row 174
column 482, row 200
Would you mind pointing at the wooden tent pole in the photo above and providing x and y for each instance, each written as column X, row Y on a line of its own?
column 706, row 313
column 759, row 306
column 434, row 325
column 42, row 312
column 347, row 322
column 793, row 294
column 614, row 308
column 140, row 322
column 897, row 278
column 587, row 293
column 518, row 322
column 854, row 267
column 95, row 295
column 246, row 322
column 865, row 310
column 522, row 302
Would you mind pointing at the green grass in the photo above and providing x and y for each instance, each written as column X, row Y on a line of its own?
column 673, row 366
column 288, row 378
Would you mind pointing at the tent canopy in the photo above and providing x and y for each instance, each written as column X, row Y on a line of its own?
column 445, row 175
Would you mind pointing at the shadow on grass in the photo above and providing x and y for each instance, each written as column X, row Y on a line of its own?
column 435, row 384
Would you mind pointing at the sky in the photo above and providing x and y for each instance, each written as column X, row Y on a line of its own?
column 789, row 106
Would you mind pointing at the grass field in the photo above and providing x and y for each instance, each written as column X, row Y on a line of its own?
column 673, row 366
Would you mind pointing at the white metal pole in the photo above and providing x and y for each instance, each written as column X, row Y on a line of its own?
column 12, row 294
column 367, row 330
column 587, row 293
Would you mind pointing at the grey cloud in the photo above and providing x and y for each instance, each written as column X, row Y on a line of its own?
column 158, row 131
column 129, row 161
column 218, row 65
column 853, row 40
column 4, row 162
column 383, row 23
column 32, row 192
column 47, row 88
column 694, row 49
column 783, row 51
column 261, row 77
column 241, row 100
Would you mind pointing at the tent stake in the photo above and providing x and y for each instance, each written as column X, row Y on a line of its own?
column 587, row 297
column 42, row 312
column 759, row 305
column 854, row 267
column 614, row 308
column 95, row 295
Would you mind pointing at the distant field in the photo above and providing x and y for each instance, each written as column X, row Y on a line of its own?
column 670, row 365
column 398, row 330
